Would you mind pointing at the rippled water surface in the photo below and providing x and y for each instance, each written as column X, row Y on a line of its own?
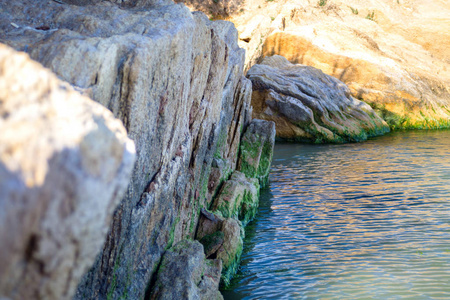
column 353, row 221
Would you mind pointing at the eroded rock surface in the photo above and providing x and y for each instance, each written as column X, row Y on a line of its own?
column 175, row 80
column 65, row 163
column 308, row 105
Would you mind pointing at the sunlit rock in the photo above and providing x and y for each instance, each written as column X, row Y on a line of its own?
column 308, row 105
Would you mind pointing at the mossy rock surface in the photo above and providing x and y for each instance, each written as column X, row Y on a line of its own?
column 256, row 150
column 238, row 198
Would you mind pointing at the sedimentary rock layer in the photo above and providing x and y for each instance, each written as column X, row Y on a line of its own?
column 65, row 163
column 308, row 105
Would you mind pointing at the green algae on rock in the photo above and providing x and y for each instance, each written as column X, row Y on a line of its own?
column 235, row 192
column 308, row 105
column 256, row 150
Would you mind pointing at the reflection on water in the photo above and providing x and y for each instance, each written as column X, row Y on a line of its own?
column 353, row 221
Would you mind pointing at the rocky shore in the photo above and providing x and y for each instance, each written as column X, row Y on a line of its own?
column 133, row 147
column 175, row 80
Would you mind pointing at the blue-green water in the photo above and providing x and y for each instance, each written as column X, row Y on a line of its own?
column 353, row 221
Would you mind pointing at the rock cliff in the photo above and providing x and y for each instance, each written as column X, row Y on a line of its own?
column 176, row 81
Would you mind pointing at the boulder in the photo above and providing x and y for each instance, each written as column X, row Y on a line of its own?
column 65, row 163
column 208, row 224
column 231, row 250
column 256, row 150
column 308, row 105
column 238, row 198
column 184, row 273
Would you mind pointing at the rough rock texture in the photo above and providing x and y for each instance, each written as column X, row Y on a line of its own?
column 230, row 251
column 208, row 224
column 394, row 55
column 257, row 150
column 175, row 80
column 238, row 198
column 65, row 163
column 308, row 105
column 186, row 274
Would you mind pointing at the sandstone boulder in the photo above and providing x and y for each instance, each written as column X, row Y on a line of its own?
column 308, row 105
column 65, row 163
column 184, row 273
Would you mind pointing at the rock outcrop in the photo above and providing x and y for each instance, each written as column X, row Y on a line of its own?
column 308, row 105
column 393, row 55
column 65, row 163
column 175, row 80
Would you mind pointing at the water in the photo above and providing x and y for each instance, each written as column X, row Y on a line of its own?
column 353, row 221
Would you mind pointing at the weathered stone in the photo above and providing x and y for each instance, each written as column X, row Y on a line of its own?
column 65, row 163
column 231, row 250
column 308, row 105
column 184, row 273
column 257, row 151
column 235, row 192
column 212, row 242
column 208, row 223
column 175, row 80
column 211, row 279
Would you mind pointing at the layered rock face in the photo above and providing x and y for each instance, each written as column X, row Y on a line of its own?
column 308, row 105
column 65, row 163
column 175, row 80
column 393, row 55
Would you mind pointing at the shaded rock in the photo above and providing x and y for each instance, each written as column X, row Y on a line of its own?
column 230, row 251
column 65, row 163
column 211, row 278
column 236, row 192
column 212, row 242
column 308, row 105
column 184, row 273
column 257, row 151
column 208, row 224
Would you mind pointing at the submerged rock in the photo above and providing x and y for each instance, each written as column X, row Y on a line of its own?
column 308, row 105
column 185, row 273
column 65, row 163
